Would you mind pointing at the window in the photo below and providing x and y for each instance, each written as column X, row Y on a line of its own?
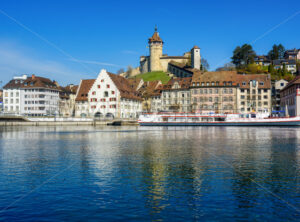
column 193, row 84
column 265, row 90
column 201, row 91
column 210, row 99
column 205, row 91
column 265, row 97
column 230, row 83
column 242, row 90
column 212, row 83
column 225, row 99
column 198, row 83
column 224, row 83
column 207, row 83
column 242, row 97
column 216, row 91
column 265, row 103
column 224, row 90
column 94, row 93
column 244, row 83
column 113, row 92
column 210, row 91
column 242, row 103
column 217, row 83
column 99, row 86
column 230, row 91
column 261, row 83
column 202, row 83
column 107, row 86
column 105, row 94
column 102, row 80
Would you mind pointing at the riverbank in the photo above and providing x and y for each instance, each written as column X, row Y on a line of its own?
column 69, row 123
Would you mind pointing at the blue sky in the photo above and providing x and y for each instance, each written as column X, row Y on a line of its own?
column 71, row 40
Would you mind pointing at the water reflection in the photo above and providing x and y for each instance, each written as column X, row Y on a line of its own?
column 205, row 173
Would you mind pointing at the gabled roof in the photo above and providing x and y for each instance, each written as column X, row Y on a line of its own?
column 84, row 88
column 148, row 88
column 296, row 80
column 184, row 83
column 123, row 85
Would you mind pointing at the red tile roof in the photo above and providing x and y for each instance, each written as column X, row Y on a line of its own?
column 84, row 88
column 184, row 83
column 155, row 38
column 32, row 82
column 123, row 85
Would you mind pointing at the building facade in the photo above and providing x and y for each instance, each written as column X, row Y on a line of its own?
column 81, row 101
column 290, row 98
column 254, row 93
column 31, row 96
column 277, row 86
column 175, row 95
column 214, row 92
column 112, row 96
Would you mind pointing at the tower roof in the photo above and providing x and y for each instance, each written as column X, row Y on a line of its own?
column 155, row 37
column 196, row 47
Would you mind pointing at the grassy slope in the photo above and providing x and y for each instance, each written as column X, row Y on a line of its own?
column 152, row 76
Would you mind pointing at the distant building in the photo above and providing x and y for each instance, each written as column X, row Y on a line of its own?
column 277, row 86
column 67, row 97
column 290, row 65
column 176, row 95
column 292, row 54
column 262, row 60
column 214, row 92
column 290, row 98
column 157, row 61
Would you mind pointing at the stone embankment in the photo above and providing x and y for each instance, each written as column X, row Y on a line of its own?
column 23, row 121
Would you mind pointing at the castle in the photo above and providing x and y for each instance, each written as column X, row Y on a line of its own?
column 181, row 66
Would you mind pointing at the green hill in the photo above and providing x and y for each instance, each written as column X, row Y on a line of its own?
column 152, row 76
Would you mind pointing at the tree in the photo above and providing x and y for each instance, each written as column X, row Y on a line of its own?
column 242, row 56
column 120, row 71
column 277, row 52
column 204, row 65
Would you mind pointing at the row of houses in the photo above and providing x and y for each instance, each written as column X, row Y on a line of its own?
column 289, row 61
column 111, row 95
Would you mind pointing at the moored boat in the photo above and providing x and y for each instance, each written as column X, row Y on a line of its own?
column 212, row 119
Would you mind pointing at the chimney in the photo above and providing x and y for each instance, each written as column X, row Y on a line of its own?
column 33, row 77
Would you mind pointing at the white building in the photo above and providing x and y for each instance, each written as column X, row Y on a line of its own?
column 81, row 101
column 31, row 96
column 112, row 96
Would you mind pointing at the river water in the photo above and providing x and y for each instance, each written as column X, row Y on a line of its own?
column 149, row 174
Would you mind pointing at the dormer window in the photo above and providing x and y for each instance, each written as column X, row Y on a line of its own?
column 244, row 83
column 261, row 83
column 207, row 84
column 224, row 83
column 217, row 83
column 202, row 83
column 212, row 83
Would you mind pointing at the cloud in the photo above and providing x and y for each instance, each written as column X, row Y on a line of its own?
column 15, row 60
column 130, row 52
column 94, row 62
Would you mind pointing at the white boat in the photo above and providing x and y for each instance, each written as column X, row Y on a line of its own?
column 212, row 119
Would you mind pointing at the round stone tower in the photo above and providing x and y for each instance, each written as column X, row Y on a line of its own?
column 155, row 46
